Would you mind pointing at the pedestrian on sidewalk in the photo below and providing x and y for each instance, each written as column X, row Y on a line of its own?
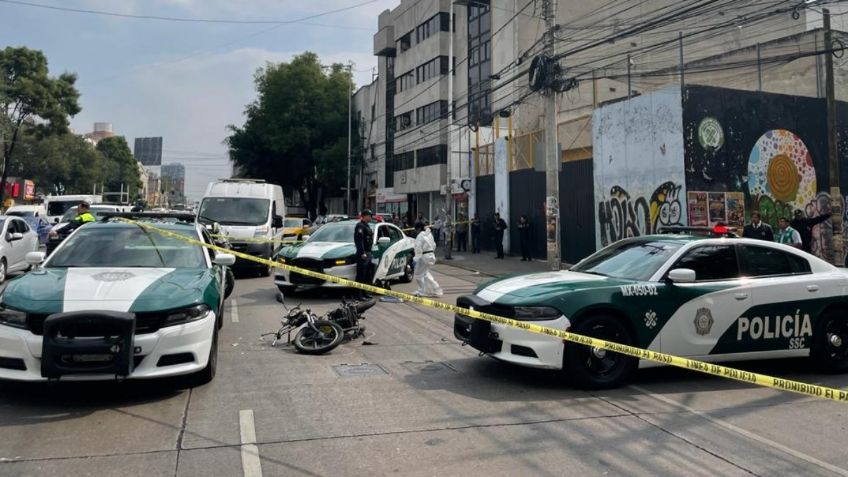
column 462, row 234
column 787, row 235
column 524, row 238
column 500, row 228
column 805, row 225
column 436, row 229
column 758, row 229
column 475, row 234
column 425, row 257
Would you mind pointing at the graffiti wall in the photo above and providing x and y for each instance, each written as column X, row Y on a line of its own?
column 762, row 152
column 639, row 166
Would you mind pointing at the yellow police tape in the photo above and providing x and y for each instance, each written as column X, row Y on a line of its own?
column 812, row 390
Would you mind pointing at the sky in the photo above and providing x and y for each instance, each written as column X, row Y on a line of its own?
column 184, row 81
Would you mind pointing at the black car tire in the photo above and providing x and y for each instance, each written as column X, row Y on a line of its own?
column 264, row 271
column 595, row 368
column 309, row 341
column 229, row 282
column 829, row 349
column 207, row 374
column 408, row 271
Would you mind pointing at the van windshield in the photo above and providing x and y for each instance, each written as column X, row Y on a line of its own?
column 59, row 207
column 234, row 211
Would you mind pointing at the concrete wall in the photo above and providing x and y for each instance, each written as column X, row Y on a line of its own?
column 638, row 169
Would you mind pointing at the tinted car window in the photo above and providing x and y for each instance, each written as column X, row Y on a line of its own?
column 394, row 234
column 636, row 259
column 764, row 262
column 711, row 262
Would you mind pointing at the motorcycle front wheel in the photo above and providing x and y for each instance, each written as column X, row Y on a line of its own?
column 328, row 336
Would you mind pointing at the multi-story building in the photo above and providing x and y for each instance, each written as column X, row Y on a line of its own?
column 173, row 184
column 418, row 45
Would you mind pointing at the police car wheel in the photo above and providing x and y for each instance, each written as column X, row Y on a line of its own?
column 595, row 368
column 407, row 271
column 830, row 342
column 207, row 374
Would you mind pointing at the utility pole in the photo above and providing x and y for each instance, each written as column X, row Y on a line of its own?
column 349, row 116
column 448, row 174
column 832, row 152
column 552, row 160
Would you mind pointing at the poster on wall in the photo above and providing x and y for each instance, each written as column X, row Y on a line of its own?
column 718, row 208
column 735, row 209
column 698, row 209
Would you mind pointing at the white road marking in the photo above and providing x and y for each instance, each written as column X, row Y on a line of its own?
column 234, row 311
column 747, row 434
column 251, row 466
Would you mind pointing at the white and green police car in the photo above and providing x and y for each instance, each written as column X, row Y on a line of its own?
column 116, row 300
column 711, row 299
column 331, row 250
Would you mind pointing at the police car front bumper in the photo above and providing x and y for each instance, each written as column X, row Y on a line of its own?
column 509, row 344
column 285, row 278
column 186, row 346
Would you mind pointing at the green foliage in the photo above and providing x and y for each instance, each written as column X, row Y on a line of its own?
column 296, row 129
column 119, row 165
column 31, row 100
column 63, row 163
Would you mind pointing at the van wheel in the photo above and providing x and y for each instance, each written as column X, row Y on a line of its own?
column 830, row 342
column 595, row 368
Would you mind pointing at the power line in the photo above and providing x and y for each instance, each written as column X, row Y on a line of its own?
column 183, row 19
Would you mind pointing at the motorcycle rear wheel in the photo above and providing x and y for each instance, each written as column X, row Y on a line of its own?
column 310, row 341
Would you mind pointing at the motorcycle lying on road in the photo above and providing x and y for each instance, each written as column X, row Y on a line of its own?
column 319, row 335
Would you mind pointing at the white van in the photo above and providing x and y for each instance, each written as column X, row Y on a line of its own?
column 57, row 205
column 246, row 209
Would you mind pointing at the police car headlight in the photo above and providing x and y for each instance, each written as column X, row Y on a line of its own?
column 186, row 315
column 12, row 317
column 536, row 313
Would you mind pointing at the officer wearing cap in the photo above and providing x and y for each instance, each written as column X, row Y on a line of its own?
column 363, row 238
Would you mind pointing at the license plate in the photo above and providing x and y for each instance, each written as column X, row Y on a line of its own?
column 92, row 358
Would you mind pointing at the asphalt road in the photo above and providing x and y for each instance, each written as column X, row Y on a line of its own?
column 413, row 402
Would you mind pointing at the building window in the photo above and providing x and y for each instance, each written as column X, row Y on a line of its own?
column 438, row 22
column 431, row 69
column 431, row 156
column 405, row 81
column 405, row 42
column 403, row 121
column 479, row 65
column 431, row 112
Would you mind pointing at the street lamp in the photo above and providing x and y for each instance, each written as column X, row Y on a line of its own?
column 349, row 115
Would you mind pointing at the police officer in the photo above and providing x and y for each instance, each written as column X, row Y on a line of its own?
column 83, row 217
column 363, row 238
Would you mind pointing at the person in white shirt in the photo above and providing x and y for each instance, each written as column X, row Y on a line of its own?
column 425, row 258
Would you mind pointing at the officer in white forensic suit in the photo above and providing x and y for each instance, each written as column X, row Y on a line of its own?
column 425, row 258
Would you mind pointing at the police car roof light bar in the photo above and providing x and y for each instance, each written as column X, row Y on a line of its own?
column 720, row 230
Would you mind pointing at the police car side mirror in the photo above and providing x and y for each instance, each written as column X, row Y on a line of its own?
column 35, row 258
column 384, row 240
column 682, row 275
column 224, row 259
column 305, row 237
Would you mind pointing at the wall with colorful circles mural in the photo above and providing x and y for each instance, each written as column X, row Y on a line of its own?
column 780, row 166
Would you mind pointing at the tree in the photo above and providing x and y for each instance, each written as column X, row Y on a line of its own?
column 295, row 132
column 31, row 101
column 59, row 164
column 119, row 166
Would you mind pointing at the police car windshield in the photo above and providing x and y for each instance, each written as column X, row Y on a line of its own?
column 125, row 247
column 629, row 259
column 339, row 232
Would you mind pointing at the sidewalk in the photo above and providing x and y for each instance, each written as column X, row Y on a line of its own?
column 486, row 264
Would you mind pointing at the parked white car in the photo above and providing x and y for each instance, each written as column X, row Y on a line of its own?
column 16, row 241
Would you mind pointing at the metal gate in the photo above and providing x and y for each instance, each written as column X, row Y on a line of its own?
column 577, row 210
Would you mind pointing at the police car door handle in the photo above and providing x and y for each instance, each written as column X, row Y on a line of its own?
column 812, row 288
column 741, row 296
